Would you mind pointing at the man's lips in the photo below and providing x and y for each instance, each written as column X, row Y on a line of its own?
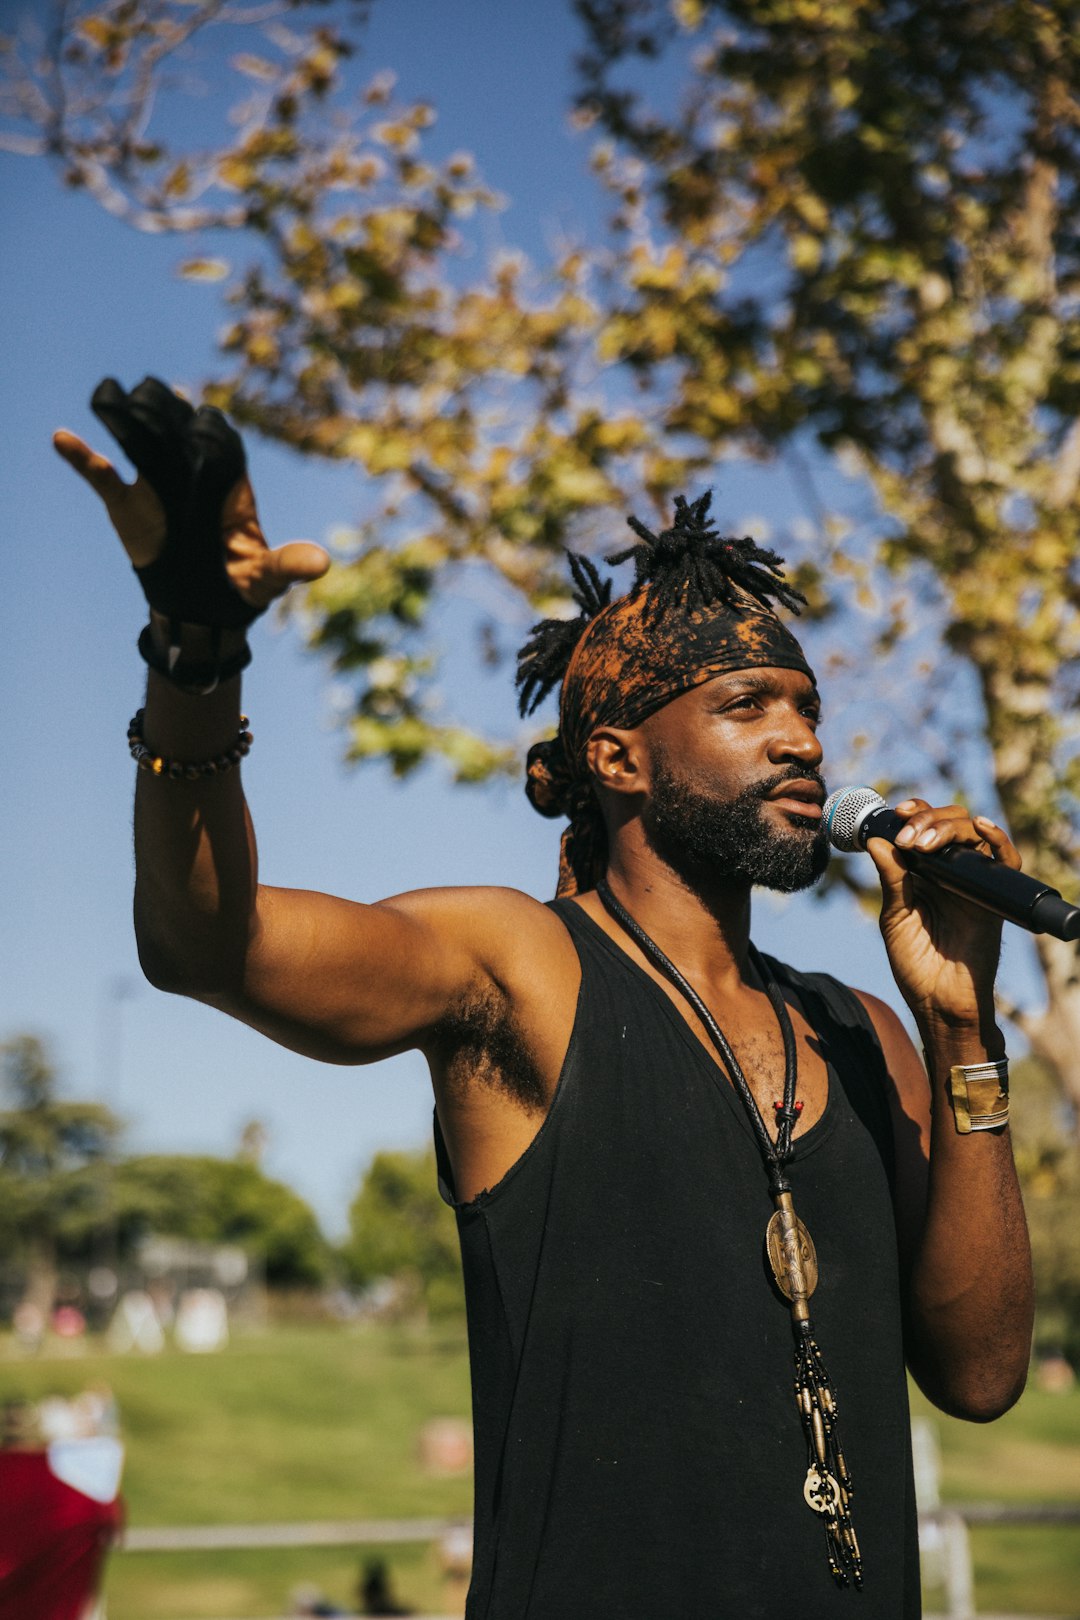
column 798, row 798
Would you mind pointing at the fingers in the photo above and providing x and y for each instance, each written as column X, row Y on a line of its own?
column 258, row 573
column 891, row 869
column 261, row 575
column 930, row 829
column 238, row 510
column 1001, row 845
column 300, row 561
column 100, row 474
column 134, row 510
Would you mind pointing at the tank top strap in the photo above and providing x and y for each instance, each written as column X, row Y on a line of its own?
column 835, row 1012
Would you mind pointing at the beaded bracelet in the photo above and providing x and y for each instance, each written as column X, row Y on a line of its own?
column 176, row 769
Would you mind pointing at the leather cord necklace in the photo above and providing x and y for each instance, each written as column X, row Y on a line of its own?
column 827, row 1488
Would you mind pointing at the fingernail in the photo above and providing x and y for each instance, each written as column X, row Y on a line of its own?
column 906, row 804
column 927, row 837
column 905, row 835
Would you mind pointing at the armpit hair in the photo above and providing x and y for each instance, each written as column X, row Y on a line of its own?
column 478, row 1044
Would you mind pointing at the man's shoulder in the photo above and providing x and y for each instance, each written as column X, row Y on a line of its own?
column 500, row 926
column 478, row 901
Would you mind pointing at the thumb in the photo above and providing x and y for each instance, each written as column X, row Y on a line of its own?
column 297, row 562
column 894, row 875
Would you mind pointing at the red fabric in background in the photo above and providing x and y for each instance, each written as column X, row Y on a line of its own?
column 53, row 1541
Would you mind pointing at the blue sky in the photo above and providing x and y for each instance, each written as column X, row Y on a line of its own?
column 82, row 296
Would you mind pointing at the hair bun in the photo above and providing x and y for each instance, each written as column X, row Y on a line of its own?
column 548, row 782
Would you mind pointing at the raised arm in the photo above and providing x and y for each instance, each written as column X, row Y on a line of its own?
column 963, row 1236
column 337, row 980
column 328, row 977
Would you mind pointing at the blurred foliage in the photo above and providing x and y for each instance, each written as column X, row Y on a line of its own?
column 882, row 203
column 400, row 1228
column 64, row 1194
column 1048, row 1159
column 226, row 1201
column 853, row 232
column 54, row 1165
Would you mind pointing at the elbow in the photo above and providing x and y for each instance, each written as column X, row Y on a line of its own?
column 160, row 968
column 976, row 1395
column 192, row 967
column 986, row 1405
column 973, row 1364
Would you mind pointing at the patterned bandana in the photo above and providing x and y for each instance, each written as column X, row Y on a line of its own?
column 634, row 655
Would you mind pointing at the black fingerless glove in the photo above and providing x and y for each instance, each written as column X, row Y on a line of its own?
column 191, row 459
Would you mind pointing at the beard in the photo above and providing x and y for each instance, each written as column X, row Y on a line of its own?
column 702, row 837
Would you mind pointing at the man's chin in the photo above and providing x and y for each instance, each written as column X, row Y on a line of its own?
column 740, row 841
column 789, row 868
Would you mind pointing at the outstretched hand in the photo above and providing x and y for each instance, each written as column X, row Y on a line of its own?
column 943, row 950
column 257, row 573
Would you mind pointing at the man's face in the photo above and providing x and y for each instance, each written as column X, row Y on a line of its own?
column 735, row 786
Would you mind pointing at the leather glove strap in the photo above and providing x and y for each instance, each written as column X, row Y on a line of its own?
column 195, row 657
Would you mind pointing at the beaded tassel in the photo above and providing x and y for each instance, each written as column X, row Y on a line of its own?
column 828, row 1487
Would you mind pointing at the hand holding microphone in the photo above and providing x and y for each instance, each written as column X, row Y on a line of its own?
column 855, row 815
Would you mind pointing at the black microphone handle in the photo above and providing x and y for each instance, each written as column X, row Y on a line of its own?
column 1012, row 895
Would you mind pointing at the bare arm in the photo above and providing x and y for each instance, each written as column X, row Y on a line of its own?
column 964, row 1249
column 962, row 1233
column 337, row 980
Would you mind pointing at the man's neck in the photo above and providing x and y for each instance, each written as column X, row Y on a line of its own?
column 701, row 923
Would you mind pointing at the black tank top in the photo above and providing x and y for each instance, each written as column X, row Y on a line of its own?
column 639, row 1455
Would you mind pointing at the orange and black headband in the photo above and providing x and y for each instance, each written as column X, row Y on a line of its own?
column 699, row 606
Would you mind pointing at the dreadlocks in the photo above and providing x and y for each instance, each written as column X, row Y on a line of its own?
column 701, row 603
column 543, row 660
column 693, row 566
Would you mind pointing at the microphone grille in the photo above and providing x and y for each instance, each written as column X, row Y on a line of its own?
column 844, row 813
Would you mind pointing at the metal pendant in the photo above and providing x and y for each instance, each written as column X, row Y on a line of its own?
column 791, row 1253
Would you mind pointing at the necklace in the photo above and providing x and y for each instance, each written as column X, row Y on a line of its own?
column 827, row 1488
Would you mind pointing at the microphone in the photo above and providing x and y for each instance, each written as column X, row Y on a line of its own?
column 854, row 815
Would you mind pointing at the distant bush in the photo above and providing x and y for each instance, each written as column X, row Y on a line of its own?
column 211, row 1200
column 400, row 1228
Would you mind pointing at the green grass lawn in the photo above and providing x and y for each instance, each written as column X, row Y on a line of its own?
column 302, row 1423
column 1032, row 1454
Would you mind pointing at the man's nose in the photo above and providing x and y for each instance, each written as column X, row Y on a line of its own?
column 797, row 740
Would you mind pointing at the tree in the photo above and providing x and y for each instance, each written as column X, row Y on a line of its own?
column 222, row 1201
column 399, row 1227
column 853, row 242
column 911, row 178
column 54, row 1167
column 354, row 335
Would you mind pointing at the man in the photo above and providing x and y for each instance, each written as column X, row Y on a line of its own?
column 640, row 1453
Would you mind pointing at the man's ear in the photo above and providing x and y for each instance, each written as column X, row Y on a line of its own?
column 617, row 760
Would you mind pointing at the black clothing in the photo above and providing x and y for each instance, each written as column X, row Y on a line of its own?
column 639, row 1455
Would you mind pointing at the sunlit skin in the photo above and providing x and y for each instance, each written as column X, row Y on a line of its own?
column 352, row 983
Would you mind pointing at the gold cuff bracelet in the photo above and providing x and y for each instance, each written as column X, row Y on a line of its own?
column 979, row 1094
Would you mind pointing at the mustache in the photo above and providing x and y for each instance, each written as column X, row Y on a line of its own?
column 794, row 774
